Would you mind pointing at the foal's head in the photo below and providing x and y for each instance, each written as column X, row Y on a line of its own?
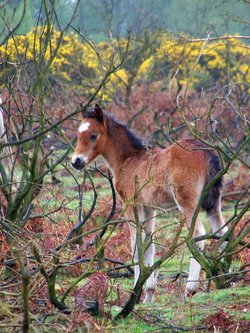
column 91, row 138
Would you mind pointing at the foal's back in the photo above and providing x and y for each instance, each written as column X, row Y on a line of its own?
column 180, row 168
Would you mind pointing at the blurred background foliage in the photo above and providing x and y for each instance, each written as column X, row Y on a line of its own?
column 96, row 18
column 150, row 58
column 159, row 45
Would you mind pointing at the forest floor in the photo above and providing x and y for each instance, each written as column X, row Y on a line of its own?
column 209, row 310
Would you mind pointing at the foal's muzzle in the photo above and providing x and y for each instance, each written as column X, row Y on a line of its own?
column 78, row 163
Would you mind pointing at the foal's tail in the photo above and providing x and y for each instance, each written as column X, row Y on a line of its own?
column 213, row 196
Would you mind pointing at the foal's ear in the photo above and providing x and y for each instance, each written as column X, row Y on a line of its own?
column 99, row 113
column 82, row 108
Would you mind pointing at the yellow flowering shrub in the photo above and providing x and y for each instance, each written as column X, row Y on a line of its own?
column 212, row 61
column 75, row 62
column 83, row 66
column 146, row 67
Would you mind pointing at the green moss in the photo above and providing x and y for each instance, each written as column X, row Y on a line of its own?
column 130, row 325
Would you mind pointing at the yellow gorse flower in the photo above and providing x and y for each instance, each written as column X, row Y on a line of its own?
column 84, row 65
column 211, row 60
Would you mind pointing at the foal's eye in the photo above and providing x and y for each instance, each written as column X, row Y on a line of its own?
column 93, row 136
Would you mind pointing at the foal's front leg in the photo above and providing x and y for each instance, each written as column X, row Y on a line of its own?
column 147, row 218
column 134, row 250
column 150, row 253
column 132, row 229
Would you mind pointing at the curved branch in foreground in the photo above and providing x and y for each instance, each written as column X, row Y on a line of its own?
column 81, row 220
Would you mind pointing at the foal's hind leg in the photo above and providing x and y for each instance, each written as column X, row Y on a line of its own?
column 217, row 222
column 194, row 266
column 186, row 201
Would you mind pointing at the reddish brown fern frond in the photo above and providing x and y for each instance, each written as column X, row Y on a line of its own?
column 92, row 294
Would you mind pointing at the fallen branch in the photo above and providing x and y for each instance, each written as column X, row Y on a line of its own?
column 211, row 39
column 82, row 260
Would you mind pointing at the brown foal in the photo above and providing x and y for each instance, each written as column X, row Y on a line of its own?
column 172, row 176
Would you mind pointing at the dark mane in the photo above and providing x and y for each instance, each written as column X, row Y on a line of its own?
column 137, row 142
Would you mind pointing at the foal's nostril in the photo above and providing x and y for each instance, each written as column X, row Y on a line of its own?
column 78, row 163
